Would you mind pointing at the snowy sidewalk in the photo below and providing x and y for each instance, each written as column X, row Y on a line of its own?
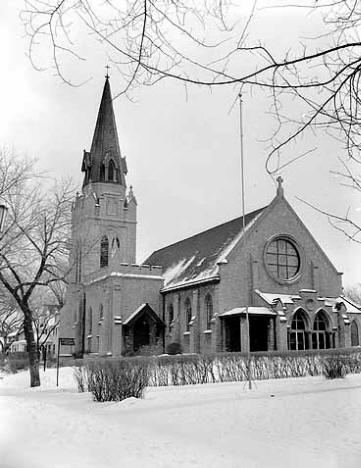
column 308, row 422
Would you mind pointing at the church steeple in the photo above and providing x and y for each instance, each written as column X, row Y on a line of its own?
column 104, row 162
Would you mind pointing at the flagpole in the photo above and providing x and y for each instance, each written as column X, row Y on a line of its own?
column 244, row 226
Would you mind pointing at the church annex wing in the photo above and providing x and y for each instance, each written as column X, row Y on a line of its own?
column 196, row 258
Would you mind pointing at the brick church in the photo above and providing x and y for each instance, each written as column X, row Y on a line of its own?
column 199, row 291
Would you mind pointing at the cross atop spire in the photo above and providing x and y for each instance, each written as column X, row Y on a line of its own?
column 279, row 188
column 107, row 75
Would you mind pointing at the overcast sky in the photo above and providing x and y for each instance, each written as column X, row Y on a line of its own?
column 182, row 154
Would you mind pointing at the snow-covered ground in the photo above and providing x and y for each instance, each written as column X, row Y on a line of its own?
column 307, row 422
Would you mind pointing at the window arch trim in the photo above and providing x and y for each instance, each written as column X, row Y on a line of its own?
column 209, row 310
column 321, row 330
column 299, row 326
column 355, row 333
column 188, row 314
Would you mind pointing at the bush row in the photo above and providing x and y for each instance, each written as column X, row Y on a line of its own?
column 116, row 379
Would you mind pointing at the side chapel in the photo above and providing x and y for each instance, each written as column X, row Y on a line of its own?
column 197, row 291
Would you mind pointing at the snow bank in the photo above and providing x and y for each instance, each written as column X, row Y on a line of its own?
column 279, row 423
column 21, row 380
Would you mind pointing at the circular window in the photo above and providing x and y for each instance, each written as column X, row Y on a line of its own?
column 282, row 259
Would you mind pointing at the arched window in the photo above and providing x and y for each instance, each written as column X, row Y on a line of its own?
column 188, row 313
column 78, row 261
column 90, row 321
column 209, row 311
column 115, row 243
column 101, row 312
column 297, row 336
column 354, row 334
column 170, row 315
column 102, row 173
column 319, row 335
column 104, row 252
column 111, row 171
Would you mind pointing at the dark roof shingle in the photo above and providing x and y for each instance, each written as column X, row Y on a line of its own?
column 196, row 257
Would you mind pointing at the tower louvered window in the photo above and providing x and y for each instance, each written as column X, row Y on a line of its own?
column 111, row 171
column 104, row 252
column 102, row 173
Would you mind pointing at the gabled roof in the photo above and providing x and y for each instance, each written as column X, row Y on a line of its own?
column 196, row 259
column 143, row 309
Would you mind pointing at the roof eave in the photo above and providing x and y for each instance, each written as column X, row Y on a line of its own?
column 190, row 284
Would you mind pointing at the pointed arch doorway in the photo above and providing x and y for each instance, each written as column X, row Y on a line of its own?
column 141, row 333
column 142, row 328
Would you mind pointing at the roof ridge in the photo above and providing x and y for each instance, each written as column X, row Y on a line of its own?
column 254, row 212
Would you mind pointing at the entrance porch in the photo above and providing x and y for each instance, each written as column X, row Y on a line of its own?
column 261, row 329
column 142, row 328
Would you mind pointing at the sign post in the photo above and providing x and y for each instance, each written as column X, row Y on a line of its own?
column 65, row 342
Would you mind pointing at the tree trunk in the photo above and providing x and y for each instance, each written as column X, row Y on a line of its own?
column 31, row 345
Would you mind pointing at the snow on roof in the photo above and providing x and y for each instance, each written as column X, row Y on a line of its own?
column 136, row 312
column 251, row 311
column 196, row 258
column 351, row 305
column 272, row 298
column 351, row 308
column 18, row 342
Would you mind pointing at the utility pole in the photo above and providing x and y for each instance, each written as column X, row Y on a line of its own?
column 244, row 227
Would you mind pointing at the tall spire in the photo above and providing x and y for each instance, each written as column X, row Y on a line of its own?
column 104, row 162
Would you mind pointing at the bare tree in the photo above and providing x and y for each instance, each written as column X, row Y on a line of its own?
column 354, row 293
column 313, row 85
column 34, row 241
column 45, row 311
column 10, row 319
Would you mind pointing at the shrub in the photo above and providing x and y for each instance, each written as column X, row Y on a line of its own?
column 81, row 377
column 174, row 348
column 17, row 364
column 187, row 369
column 116, row 380
column 14, row 362
column 128, row 353
column 334, row 368
column 150, row 350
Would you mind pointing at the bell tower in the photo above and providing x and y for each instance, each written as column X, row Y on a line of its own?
column 104, row 214
column 105, row 286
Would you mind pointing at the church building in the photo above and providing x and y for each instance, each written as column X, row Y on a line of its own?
column 200, row 291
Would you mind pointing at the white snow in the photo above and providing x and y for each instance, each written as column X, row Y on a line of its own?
column 271, row 298
column 251, row 311
column 308, row 422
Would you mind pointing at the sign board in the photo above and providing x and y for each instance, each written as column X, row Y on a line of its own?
column 67, row 341
column 64, row 342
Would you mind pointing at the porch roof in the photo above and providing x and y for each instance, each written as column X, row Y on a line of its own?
column 251, row 311
column 272, row 298
column 142, row 310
